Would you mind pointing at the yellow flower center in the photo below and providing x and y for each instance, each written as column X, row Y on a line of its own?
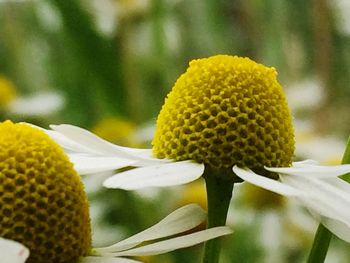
column 226, row 111
column 42, row 200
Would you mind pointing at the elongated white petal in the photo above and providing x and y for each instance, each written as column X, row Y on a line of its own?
column 12, row 251
column 266, row 183
column 339, row 183
column 84, row 164
column 68, row 144
column 324, row 195
column 307, row 161
column 313, row 170
column 107, row 260
column 179, row 221
column 169, row 174
column 100, row 146
column 177, row 242
column 316, row 207
column 64, row 142
column 327, row 201
column 323, row 198
column 339, row 229
column 84, row 137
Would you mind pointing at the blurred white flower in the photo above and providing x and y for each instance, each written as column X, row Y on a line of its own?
column 105, row 13
column 342, row 7
column 40, row 104
column 306, row 94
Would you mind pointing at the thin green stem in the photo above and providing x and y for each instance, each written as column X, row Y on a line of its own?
column 219, row 193
column 346, row 160
column 323, row 235
column 320, row 246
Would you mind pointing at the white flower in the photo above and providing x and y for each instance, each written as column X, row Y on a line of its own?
column 39, row 104
column 316, row 187
column 179, row 221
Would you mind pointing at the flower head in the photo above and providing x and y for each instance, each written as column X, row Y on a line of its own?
column 43, row 203
column 226, row 111
column 43, row 206
column 227, row 114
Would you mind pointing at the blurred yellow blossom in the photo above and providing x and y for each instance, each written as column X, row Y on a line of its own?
column 116, row 130
column 7, row 91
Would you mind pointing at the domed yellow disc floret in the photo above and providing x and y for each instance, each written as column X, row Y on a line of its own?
column 226, row 111
column 42, row 200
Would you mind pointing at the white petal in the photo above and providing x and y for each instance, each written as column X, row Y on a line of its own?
column 307, row 169
column 328, row 201
column 63, row 141
column 339, row 183
column 266, row 183
column 179, row 221
column 168, row 174
column 177, row 242
column 12, row 251
column 323, row 197
column 86, row 138
column 107, row 260
column 339, row 229
column 84, row 164
column 68, row 144
column 99, row 146
column 307, row 161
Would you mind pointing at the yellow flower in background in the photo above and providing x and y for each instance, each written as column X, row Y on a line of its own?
column 194, row 192
column 7, row 91
column 261, row 199
column 43, row 206
column 116, row 130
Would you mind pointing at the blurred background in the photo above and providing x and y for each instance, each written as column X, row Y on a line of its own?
column 107, row 65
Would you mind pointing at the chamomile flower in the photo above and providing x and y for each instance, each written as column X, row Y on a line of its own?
column 225, row 116
column 44, row 207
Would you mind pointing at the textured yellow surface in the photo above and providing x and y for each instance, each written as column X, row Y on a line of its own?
column 42, row 200
column 226, row 111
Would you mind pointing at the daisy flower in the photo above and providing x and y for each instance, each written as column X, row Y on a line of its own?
column 226, row 119
column 43, row 206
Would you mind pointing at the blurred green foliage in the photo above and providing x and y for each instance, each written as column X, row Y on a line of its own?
column 128, row 70
column 120, row 58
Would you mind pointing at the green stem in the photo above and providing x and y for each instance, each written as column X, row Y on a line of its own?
column 320, row 246
column 346, row 160
column 323, row 235
column 219, row 192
